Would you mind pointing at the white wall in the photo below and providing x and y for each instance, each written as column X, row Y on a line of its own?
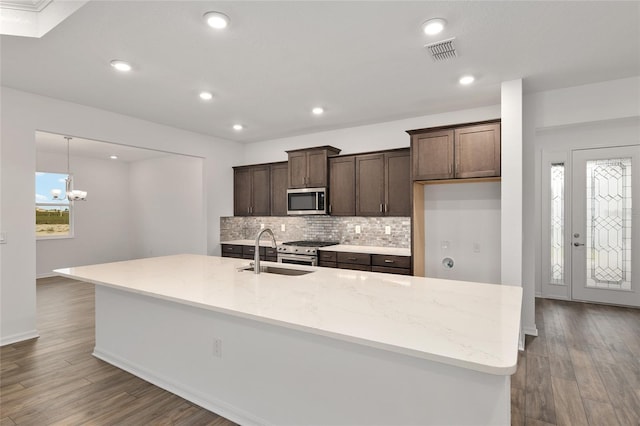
column 167, row 208
column 462, row 222
column 21, row 115
column 101, row 224
column 391, row 134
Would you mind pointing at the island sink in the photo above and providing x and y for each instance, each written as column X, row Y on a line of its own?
column 276, row 270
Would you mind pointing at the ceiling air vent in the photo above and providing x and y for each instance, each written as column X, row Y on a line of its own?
column 442, row 50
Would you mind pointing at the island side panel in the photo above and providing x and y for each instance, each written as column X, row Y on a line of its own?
column 264, row 374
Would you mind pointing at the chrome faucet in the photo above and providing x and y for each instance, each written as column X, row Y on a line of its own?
column 256, row 257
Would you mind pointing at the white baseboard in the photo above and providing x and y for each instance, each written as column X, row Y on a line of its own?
column 15, row 338
column 214, row 405
column 46, row 275
column 530, row 330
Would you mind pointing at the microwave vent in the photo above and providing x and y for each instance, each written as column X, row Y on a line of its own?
column 442, row 50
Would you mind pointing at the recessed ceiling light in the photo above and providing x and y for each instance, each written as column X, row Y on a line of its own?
column 206, row 96
column 114, row 157
column 467, row 79
column 318, row 110
column 216, row 20
column 121, row 65
column 434, row 26
column 238, row 127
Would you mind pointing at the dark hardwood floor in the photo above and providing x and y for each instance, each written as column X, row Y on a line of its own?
column 583, row 369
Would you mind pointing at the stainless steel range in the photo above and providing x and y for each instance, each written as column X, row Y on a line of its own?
column 301, row 252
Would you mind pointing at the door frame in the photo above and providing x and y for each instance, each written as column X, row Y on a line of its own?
column 549, row 157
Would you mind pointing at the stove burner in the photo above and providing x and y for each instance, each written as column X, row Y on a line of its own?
column 310, row 243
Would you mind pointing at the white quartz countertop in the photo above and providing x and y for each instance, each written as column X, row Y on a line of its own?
column 394, row 251
column 465, row 324
column 264, row 242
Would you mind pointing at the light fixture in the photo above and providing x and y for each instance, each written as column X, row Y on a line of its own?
column 466, row 80
column 71, row 194
column 206, row 96
column 217, row 20
column 317, row 111
column 238, row 127
column 114, row 157
column 121, row 66
column 434, row 26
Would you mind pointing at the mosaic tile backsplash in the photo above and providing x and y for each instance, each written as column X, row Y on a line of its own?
column 323, row 228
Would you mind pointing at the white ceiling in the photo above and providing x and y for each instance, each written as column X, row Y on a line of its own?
column 364, row 61
column 80, row 147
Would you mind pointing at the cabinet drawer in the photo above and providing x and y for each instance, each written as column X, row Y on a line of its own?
column 270, row 258
column 252, row 250
column 231, row 249
column 391, row 261
column 354, row 266
column 270, row 252
column 388, row 270
column 327, row 264
column 356, row 258
column 327, row 256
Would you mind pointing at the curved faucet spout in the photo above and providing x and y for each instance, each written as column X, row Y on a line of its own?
column 256, row 256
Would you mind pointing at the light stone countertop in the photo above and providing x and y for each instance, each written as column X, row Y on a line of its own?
column 264, row 242
column 464, row 324
column 394, row 251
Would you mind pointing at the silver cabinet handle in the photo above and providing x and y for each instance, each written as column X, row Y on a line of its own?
column 381, row 208
column 577, row 244
column 329, row 208
column 389, row 261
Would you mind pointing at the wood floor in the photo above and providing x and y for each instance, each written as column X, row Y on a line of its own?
column 583, row 369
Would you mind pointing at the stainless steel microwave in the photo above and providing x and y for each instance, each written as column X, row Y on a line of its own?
column 307, row 201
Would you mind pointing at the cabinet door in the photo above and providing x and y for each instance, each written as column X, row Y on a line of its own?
column 398, row 184
column 297, row 169
column 279, row 181
column 261, row 191
column 342, row 186
column 242, row 192
column 478, row 151
column 370, row 185
column 433, row 155
column 316, row 169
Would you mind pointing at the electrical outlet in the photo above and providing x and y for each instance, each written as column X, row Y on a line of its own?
column 282, row 227
column 3, row 238
column 217, row 347
column 262, row 226
column 476, row 247
column 358, row 229
column 387, row 230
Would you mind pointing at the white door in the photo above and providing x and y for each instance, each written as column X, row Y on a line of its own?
column 605, row 225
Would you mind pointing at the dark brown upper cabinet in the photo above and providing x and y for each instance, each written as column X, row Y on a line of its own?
column 308, row 167
column 397, row 166
column 383, row 185
column 279, row 183
column 470, row 151
column 251, row 191
column 370, row 185
column 342, row 186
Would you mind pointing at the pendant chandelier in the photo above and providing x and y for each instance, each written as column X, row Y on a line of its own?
column 70, row 193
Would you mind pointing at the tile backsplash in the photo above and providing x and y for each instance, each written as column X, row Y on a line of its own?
column 322, row 228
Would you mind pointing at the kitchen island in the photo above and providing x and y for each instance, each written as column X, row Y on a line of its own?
column 329, row 347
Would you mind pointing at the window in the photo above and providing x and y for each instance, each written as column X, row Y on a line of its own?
column 53, row 217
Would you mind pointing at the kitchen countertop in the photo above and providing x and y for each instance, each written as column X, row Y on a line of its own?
column 394, row 251
column 264, row 242
column 465, row 324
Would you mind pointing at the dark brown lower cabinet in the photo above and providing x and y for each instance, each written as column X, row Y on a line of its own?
column 248, row 252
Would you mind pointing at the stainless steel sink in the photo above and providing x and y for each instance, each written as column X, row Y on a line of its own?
column 276, row 270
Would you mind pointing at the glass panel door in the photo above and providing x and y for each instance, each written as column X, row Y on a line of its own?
column 605, row 234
